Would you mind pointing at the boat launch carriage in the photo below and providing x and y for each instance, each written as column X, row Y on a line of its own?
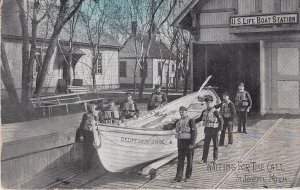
column 144, row 140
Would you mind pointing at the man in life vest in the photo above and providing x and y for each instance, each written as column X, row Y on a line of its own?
column 129, row 108
column 186, row 134
column 243, row 103
column 158, row 98
column 85, row 132
column 213, row 124
column 110, row 114
column 228, row 113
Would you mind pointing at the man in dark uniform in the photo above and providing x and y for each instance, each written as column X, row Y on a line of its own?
column 86, row 135
column 213, row 124
column 243, row 103
column 228, row 113
column 158, row 98
column 186, row 133
column 110, row 114
column 129, row 108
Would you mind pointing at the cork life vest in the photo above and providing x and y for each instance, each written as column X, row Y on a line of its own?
column 157, row 99
column 183, row 129
column 241, row 99
column 225, row 110
column 111, row 114
column 209, row 119
column 128, row 108
column 91, row 118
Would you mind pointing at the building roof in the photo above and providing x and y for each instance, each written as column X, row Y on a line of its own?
column 183, row 15
column 11, row 27
column 158, row 49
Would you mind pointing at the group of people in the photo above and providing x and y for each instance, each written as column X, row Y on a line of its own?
column 112, row 114
column 216, row 123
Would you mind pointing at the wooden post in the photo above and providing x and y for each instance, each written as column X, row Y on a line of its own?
column 262, row 77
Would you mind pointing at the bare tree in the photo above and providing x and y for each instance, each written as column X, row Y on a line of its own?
column 94, row 19
column 66, row 11
column 28, row 45
column 68, row 52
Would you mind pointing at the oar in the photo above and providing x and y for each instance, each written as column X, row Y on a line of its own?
column 204, row 84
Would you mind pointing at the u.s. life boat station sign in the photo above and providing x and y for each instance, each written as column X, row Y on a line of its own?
column 256, row 20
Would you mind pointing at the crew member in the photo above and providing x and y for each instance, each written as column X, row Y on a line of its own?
column 129, row 108
column 158, row 98
column 186, row 133
column 110, row 114
column 213, row 124
column 229, row 114
column 243, row 103
column 85, row 131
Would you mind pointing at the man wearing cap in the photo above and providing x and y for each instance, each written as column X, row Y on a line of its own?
column 110, row 114
column 85, row 132
column 158, row 98
column 129, row 108
column 213, row 124
column 243, row 103
column 186, row 134
column 228, row 113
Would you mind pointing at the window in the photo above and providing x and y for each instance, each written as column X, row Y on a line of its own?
column 123, row 69
column 39, row 57
column 146, row 68
column 173, row 68
column 159, row 68
column 99, row 64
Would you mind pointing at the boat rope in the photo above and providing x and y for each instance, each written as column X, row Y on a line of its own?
column 97, row 139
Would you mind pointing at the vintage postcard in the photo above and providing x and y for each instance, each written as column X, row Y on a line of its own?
column 150, row 94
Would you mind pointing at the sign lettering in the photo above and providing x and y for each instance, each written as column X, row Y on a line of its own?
column 291, row 18
column 145, row 141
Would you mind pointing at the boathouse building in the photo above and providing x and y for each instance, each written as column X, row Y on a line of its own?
column 251, row 41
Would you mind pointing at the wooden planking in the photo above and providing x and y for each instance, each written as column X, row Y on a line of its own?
column 24, row 146
column 217, row 4
column 246, row 6
column 277, row 150
column 21, row 130
column 24, row 168
column 202, row 178
column 268, row 6
column 214, row 18
column 130, row 72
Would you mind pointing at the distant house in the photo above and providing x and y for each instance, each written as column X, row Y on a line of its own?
column 107, row 75
column 159, row 58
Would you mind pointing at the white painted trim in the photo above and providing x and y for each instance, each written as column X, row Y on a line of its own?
column 262, row 77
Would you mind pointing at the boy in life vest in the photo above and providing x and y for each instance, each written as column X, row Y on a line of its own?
column 228, row 113
column 213, row 124
column 85, row 131
column 129, row 108
column 110, row 114
column 243, row 103
column 157, row 99
column 186, row 134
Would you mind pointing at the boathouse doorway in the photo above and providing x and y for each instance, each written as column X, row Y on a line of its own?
column 229, row 64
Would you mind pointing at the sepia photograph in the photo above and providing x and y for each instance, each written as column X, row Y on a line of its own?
column 150, row 94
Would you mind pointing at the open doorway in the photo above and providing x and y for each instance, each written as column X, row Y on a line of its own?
column 229, row 64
